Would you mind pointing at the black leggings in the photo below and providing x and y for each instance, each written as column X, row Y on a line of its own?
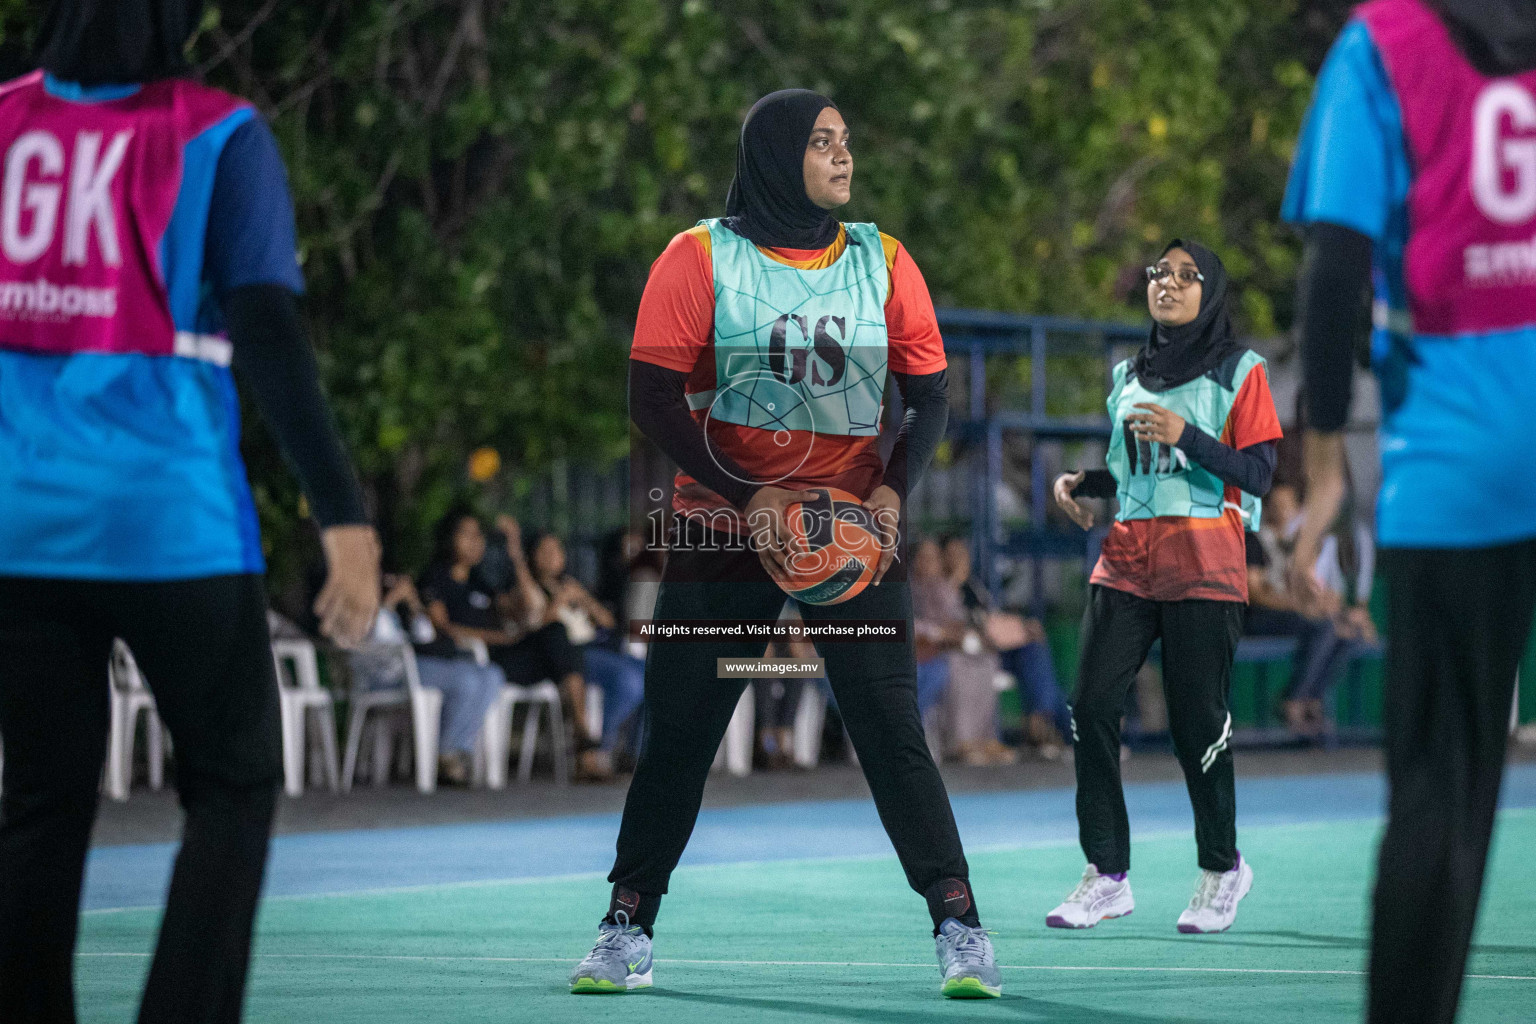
column 1457, row 623
column 687, row 709
column 204, row 650
column 1199, row 639
column 546, row 653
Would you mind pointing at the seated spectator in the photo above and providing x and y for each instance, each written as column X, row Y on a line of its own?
column 557, row 597
column 468, row 689
column 620, row 557
column 1022, row 652
column 1322, row 652
column 1345, row 564
column 945, row 632
column 640, row 592
column 464, row 607
column 932, row 635
column 777, row 699
column 629, row 574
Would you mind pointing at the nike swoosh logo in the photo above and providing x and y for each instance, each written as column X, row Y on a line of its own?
column 633, row 968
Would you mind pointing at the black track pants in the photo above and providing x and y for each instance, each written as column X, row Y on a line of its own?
column 204, row 651
column 687, row 710
column 1458, row 621
column 1199, row 638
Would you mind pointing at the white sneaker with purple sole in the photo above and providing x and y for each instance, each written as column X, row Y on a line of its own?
column 1096, row 898
column 1213, row 908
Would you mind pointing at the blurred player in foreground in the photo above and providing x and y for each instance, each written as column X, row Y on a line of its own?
column 1417, row 168
column 146, row 243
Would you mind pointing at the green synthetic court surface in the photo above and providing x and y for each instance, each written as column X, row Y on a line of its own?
column 845, row 940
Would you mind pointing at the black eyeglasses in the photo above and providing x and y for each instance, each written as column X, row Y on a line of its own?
column 1184, row 275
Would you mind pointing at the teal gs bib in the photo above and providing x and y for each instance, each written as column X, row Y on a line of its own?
column 1158, row 480
column 798, row 350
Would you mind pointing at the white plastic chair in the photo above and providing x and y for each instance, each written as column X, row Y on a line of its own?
column 130, row 697
column 300, row 694
column 735, row 752
column 810, row 719
column 493, row 750
column 594, row 722
column 425, row 707
column 543, row 700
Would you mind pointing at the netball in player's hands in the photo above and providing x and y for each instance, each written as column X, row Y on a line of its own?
column 769, row 526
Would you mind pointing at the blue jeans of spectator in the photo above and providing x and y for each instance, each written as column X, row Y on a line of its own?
column 468, row 690
column 622, row 679
column 1038, row 690
column 1321, row 656
column 932, row 681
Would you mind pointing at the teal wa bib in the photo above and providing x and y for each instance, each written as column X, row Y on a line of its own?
column 798, row 349
column 1158, row 480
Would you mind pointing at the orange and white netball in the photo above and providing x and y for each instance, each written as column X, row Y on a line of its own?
column 842, row 547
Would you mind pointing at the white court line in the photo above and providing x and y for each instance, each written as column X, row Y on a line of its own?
column 813, row 963
column 585, row 876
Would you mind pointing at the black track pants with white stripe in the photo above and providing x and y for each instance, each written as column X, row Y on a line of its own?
column 1199, row 638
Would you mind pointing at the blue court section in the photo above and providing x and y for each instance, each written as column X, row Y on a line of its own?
column 353, row 861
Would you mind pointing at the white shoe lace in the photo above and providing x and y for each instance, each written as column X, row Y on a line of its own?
column 1208, row 892
column 1090, row 882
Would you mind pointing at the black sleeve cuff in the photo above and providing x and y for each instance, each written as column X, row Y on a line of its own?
column 1096, row 483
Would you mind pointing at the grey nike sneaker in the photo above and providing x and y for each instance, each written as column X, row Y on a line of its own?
column 620, row 961
column 965, row 957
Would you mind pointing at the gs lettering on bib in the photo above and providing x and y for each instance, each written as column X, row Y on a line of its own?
column 1157, row 480
column 798, row 350
column 1470, row 261
column 94, row 213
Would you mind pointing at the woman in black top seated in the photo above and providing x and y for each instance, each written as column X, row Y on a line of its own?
column 462, row 605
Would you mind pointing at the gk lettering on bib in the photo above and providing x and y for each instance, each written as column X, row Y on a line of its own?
column 88, row 199
column 1470, row 262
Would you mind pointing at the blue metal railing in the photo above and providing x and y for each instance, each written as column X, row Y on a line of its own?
column 977, row 334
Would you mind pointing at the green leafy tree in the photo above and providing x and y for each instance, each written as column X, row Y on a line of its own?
column 481, row 185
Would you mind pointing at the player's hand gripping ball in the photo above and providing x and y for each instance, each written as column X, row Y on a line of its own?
column 841, row 547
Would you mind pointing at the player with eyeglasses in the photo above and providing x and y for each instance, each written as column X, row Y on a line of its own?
column 1165, row 272
column 1192, row 450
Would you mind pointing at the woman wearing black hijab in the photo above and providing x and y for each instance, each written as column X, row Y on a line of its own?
column 127, row 510
column 759, row 364
column 1192, row 450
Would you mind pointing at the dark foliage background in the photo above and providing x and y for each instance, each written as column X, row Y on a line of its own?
column 481, row 185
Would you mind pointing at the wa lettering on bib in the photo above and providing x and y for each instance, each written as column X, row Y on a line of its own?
column 1158, row 480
